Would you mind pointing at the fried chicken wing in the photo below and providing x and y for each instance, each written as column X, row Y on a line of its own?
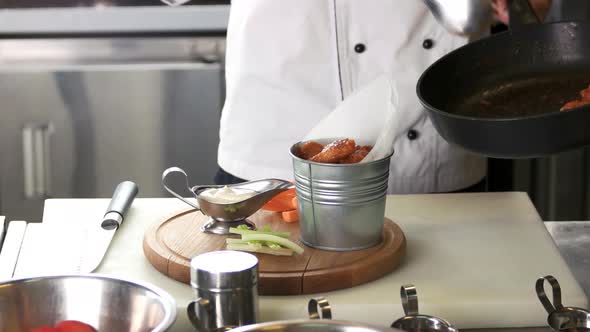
column 359, row 154
column 367, row 148
column 585, row 100
column 585, row 94
column 574, row 104
column 309, row 149
column 335, row 151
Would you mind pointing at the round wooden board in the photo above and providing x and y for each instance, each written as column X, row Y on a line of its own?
column 170, row 244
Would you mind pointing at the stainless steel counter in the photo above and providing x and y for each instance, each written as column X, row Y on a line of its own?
column 573, row 240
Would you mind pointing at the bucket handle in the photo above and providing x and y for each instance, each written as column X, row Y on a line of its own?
column 409, row 297
column 324, row 312
column 540, row 288
column 175, row 194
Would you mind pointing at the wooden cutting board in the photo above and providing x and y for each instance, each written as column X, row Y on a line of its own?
column 170, row 244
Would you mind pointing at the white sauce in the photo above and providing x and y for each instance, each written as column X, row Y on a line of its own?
column 226, row 195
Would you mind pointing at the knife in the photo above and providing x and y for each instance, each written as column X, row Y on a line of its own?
column 113, row 218
column 3, row 230
column 13, row 235
column 49, row 249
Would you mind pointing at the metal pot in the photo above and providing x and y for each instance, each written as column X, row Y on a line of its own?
column 320, row 320
column 311, row 325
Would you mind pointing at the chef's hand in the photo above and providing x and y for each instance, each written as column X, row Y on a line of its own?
column 500, row 9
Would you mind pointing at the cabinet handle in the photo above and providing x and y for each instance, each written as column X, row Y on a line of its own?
column 37, row 160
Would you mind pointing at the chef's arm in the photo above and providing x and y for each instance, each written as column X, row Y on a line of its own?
column 541, row 8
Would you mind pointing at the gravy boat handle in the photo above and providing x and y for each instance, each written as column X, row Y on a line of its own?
column 321, row 303
column 409, row 297
column 556, row 289
column 171, row 170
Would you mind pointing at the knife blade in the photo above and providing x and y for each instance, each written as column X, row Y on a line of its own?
column 50, row 249
column 11, row 246
column 3, row 230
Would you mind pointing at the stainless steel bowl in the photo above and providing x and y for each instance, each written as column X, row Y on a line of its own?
column 312, row 325
column 106, row 303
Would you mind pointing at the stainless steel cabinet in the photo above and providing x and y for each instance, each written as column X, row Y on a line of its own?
column 80, row 116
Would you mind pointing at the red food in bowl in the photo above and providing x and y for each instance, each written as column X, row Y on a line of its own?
column 66, row 326
column 44, row 329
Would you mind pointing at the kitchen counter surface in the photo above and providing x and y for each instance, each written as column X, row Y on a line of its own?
column 125, row 257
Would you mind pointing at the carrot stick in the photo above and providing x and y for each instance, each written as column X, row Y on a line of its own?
column 290, row 216
column 281, row 202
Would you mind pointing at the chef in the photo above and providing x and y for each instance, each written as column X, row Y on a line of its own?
column 289, row 63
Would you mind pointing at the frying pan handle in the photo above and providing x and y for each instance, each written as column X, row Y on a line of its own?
column 521, row 13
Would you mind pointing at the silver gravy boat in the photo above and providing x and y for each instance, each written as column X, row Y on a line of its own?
column 561, row 318
column 226, row 215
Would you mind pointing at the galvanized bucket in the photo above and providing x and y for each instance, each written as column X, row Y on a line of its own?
column 341, row 206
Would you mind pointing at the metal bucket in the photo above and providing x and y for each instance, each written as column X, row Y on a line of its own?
column 341, row 206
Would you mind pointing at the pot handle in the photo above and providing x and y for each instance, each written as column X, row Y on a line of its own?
column 521, row 13
column 325, row 311
column 409, row 297
column 202, row 306
column 175, row 194
column 540, row 288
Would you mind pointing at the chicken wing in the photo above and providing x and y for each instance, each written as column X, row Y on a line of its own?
column 359, row 154
column 585, row 94
column 585, row 100
column 309, row 149
column 574, row 104
column 335, row 151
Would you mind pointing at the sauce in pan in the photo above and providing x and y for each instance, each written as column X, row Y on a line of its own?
column 524, row 97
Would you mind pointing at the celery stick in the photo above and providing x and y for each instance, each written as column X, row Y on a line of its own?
column 272, row 238
column 256, row 243
column 235, row 241
column 273, row 245
column 262, row 250
column 240, row 231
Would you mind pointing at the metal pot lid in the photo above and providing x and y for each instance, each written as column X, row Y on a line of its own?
column 303, row 325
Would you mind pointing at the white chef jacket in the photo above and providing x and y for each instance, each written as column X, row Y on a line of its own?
column 291, row 62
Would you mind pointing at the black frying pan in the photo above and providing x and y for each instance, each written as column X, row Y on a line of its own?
column 500, row 96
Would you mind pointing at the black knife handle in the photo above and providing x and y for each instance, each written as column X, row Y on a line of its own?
column 122, row 198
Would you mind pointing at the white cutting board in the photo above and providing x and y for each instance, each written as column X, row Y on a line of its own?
column 474, row 259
